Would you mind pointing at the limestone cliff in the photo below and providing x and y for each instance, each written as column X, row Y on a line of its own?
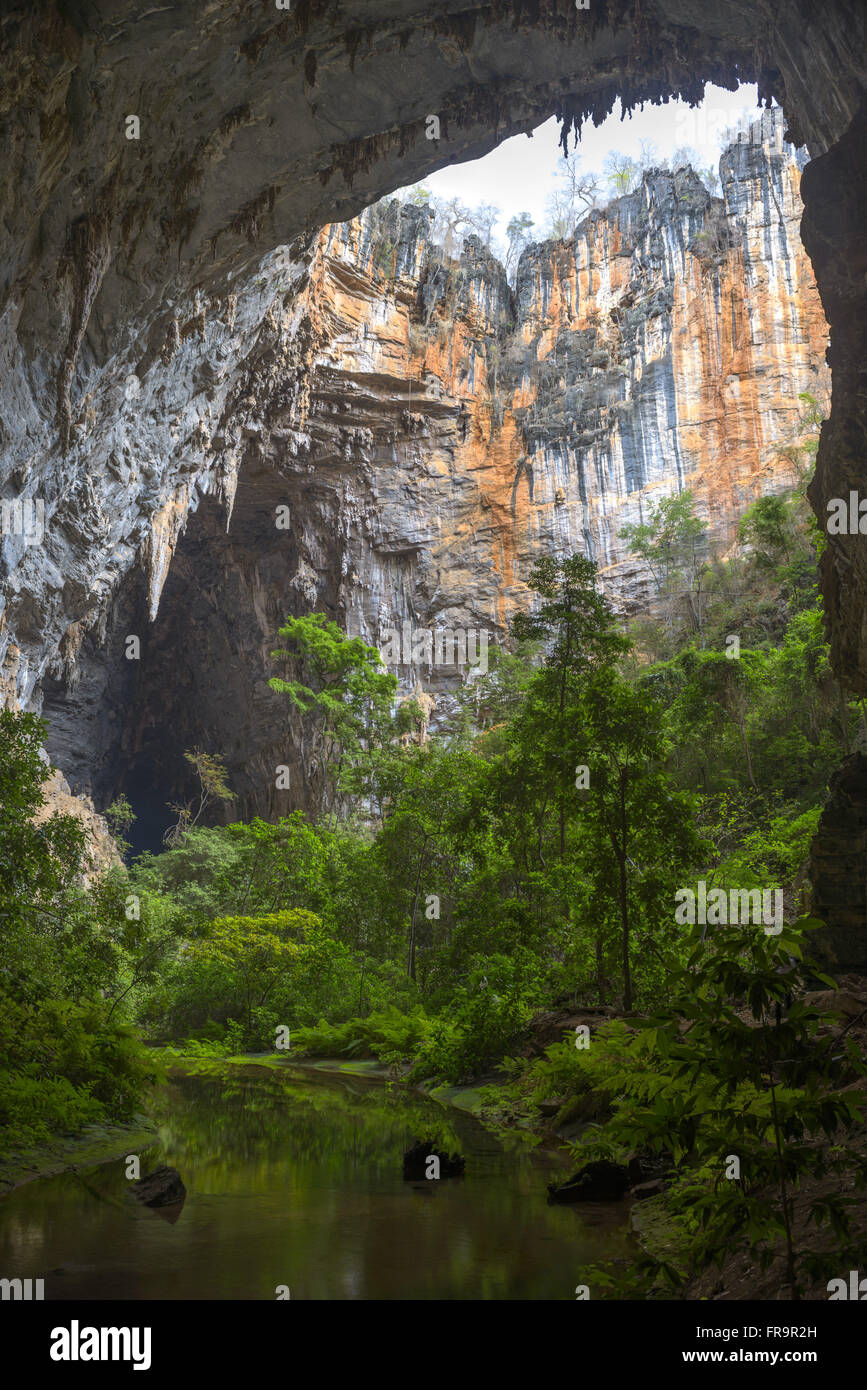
column 458, row 429
column 143, row 289
column 664, row 348
column 411, row 432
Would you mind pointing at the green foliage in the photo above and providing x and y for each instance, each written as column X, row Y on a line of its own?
column 213, row 786
column 439, row 893
column 704, row 1080
column 767, row 526
column 386, row 1034
column 344, row 692
column 487, row 1014
column 673, row 544
column 68, row 1057
column 40, row 859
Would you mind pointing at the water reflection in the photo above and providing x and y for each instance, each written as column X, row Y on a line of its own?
column 297, row 1179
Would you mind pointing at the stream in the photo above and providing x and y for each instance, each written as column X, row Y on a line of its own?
column 295, row 1179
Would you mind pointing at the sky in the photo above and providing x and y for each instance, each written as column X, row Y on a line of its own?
column 519, row 174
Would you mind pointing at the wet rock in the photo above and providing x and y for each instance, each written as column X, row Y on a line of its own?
column 643, row 1190
column 599, row 1181
column 551, row 1107
column 646, row 1166
column 162, row 1188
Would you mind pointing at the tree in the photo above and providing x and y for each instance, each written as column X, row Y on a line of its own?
column 621, row 171
column 720, row 1073
column 257, row 951
column 64, row 1062
column 572, row 198
column 41, row 858
column 716, row 684
column 429, row 789
column 766, row 525
column 213, row 786
column 345, row 692
column 518, row 235
column 483, row 219
column 578, row 628
column 648, row 156
column 673, row 544
column 686, row 156
column 631, row 816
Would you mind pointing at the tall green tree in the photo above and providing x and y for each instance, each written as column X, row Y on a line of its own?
column 673, row 544
column 338, row 683
column 638, row 834
column 578, row 630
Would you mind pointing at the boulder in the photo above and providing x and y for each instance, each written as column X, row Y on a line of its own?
column 162, row 1188
column 647, row 1189
column 600, row 1181
column 646, row 1166
column 837, row 1001
column 551, row 1107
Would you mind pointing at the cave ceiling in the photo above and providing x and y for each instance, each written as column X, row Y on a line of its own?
column 258, row 124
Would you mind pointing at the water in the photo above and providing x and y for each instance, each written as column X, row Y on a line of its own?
column 295, row 1179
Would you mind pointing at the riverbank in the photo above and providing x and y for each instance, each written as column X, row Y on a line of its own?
column 469, row 1098
column 106, row 1143
column 294, row 1180
column 94, row 1146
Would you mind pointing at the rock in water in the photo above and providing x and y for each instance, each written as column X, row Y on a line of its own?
column 416, row 1166
column 161, row 1188
column 600, row 1181
column 644, row 1190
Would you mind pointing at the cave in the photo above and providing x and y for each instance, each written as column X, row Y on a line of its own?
column 122, row 724
column 291, row 121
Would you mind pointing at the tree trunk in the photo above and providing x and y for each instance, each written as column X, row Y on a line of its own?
column 743, row 729
column 411, row 970
column 624, row 903
column 600, row 964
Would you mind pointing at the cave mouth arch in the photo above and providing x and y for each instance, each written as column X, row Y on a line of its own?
column 489, row 71
column 201, row 680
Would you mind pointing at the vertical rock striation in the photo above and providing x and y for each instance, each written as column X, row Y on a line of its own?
column 460, row 429
column 428, row 431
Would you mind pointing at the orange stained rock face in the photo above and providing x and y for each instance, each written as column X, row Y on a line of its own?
column 664, row 347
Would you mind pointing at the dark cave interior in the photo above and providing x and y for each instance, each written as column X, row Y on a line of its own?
column 201, row 681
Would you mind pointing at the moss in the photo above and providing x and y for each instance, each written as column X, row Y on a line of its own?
column 659, row 1233
column 97, row 1144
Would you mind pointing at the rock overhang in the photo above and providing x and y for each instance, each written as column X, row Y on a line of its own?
column 146, row 258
